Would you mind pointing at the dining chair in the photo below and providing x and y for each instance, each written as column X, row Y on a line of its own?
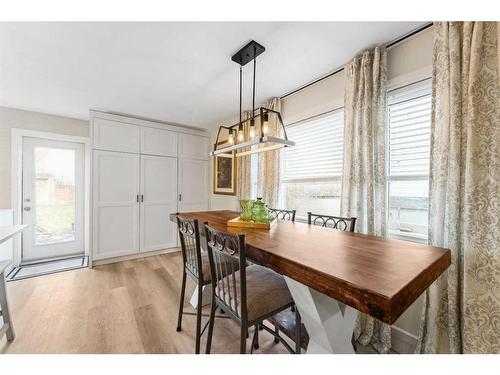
column 288, row 322
column 334, row 222
column 282, row 320
column 248, row 295
column 347, row 224
column 280, row 214
column 195, row 265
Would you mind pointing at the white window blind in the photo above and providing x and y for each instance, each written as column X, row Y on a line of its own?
column 409, row 125
column 409, row 130
column 318, row 153
column 311, row 175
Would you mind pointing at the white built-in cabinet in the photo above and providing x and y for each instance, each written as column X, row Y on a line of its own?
column 116, row 207
column 158, row 201
column 192, row 173
column 159, row 142
column 193, row 147
column 142, row 172
column 115, row 136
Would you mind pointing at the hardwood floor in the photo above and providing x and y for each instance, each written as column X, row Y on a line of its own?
column 126, row 307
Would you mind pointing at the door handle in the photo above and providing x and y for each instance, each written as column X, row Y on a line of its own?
column 27, row 208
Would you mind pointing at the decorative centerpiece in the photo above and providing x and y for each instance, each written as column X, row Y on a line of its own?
column 246, row 206
column 254, row 214
column 260, row 213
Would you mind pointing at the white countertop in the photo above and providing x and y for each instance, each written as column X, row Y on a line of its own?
column 10, row 231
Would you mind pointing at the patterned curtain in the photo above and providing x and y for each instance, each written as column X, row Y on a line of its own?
column 364, row 177
column 462, row 308
column 269, row 162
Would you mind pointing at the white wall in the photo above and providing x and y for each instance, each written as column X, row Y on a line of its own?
column 15, row 118
column 408, row 62
column 323, row 96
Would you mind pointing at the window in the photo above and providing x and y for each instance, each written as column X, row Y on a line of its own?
column 311, row 177
column 409, row 116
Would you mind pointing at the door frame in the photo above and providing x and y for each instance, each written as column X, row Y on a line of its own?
column 16, row 182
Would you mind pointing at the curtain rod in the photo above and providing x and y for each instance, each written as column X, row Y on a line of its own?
column 390, row 44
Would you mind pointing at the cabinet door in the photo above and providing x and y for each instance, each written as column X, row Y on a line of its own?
column 158, row 142
column 193, row 147
column 115, row 136
column 116, row 207
column 158, row 201
column 193, row 185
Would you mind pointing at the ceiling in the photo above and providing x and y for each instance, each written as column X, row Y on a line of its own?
column 178, row 72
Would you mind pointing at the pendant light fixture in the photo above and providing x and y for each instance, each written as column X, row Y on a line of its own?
column 257, row 138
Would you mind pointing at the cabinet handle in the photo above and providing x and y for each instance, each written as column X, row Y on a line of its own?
column 137, row 198
column 180, row 197
column 142, row 198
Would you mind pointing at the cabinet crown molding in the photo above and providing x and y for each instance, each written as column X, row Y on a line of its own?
column 128, row 119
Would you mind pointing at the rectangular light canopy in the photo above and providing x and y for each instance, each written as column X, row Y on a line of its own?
column 269, row 142
column 251, row 136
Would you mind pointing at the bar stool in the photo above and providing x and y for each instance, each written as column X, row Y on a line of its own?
column 285, row 320
column 8, row 326
column 334, row 222
column 280, row 214
column 288, row 322
column 248, row 295
column 197, row 266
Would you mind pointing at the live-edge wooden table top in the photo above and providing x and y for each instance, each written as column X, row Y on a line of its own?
column 378, row 276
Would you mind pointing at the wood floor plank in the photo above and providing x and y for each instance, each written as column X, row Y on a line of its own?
column 125, row 307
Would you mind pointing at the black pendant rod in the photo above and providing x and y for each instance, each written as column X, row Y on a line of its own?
column 241, row 90
column 253, row 94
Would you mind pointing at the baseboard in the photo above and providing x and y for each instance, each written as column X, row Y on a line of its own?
column 134, row 256
column 403, row 342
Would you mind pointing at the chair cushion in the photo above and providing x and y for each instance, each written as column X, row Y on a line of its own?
column 267, row 292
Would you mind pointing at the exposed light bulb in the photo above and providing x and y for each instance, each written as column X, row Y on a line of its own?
column 230, row 139
column 265, row 123
column 252, row 131
column 252, row 128
column 240, row 135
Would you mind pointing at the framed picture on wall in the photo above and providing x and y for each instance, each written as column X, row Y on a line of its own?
column 224, row 174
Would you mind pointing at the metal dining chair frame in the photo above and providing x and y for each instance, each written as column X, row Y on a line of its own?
column 281, row 214
column 189, row 236
column 334, row 222
column 347, row 224
column 285, row 215
column 221, row 245
column 329, row 221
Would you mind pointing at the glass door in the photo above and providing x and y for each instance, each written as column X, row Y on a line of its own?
column 53, row 199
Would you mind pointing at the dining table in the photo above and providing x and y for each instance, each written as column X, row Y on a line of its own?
column 334, row 275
